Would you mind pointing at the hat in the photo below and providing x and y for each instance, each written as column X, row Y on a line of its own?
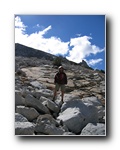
column 61, row 67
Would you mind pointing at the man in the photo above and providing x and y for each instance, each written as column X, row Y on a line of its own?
column 60, row 80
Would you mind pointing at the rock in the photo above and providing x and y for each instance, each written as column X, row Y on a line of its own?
column 97, row 103
column 101, row 113
column 72, row 118
column 70, row 97
column 46, row 124
column 29, row 112
column 19, row 100
column 24, row 128
column 84, row 64
column 20, row 118
column 38, row 85
column 70, row 83
column 30, row 101
column 68, row 133
column 94, row 129
column 75, row 114
column 50, row 104
column 102, row 120
column 92, row 100
column 96, row 90
column 43, row 92
column 82, row 83
column 20, row 72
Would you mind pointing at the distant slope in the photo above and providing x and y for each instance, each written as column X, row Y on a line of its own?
column 24, row 51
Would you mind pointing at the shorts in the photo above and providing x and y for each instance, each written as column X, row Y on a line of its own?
column 60, row 86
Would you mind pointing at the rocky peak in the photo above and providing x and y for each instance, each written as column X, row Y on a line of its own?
column 84, row 64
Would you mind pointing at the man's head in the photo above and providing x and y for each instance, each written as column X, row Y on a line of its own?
column 61, row 69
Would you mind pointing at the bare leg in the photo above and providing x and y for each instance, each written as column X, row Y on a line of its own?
column 55, row 93
column 62, row 95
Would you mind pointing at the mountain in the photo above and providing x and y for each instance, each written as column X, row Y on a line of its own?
column 25, row 51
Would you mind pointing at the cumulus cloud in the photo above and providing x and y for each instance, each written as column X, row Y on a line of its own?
column 78, row 48
column 93, row 62
column 19, row 24
column 37, row 40
column 82, row 48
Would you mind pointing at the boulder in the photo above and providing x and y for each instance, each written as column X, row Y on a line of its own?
column 43, row 92
column 75, row 115
column 70, row 97
column 73, row 119
column 92, row 100
column 30, row 101
column 19, row 72
column 97, row 103
column 24, row 128
column 50, row 104
column 38, row 85
column 94, row 129
column 29, row 112
column 19, row 100
column 20, row 118
column 46, row 124
column 96, row 90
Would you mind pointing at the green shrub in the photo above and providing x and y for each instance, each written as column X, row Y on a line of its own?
column 57, row 61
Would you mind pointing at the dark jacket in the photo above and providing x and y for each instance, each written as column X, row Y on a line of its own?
column 60, row 78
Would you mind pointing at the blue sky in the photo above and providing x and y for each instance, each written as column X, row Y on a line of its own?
column 76, row 37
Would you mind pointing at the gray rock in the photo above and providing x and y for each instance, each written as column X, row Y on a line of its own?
column 29, row 112
column 75, row 114
column 19, row 100
column 94, row 129
column 73, row 119
column 97, row 103
column 68, row 133
column 24, row 128
column 38, row 85
column 92, row 100
column 50, row 104
column 20, row 72
column 96, row 90
column 46, row 124
column 101, row 112
column 43, row 92
column 30, row 101
column 20, row 118
column 69, row 97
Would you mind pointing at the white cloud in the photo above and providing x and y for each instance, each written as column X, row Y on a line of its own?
column 93, row 62
column 36, row 40
column 19, row 24
column 82, row 48
column 45, row 30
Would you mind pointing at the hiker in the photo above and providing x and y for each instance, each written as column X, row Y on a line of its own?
column 60, row 80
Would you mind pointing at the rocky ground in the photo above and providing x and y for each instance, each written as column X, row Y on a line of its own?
column 83, row 110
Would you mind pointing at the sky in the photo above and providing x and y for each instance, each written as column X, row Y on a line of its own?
column 76, row 37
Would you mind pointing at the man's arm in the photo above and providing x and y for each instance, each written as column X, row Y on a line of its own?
column 55, row 78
